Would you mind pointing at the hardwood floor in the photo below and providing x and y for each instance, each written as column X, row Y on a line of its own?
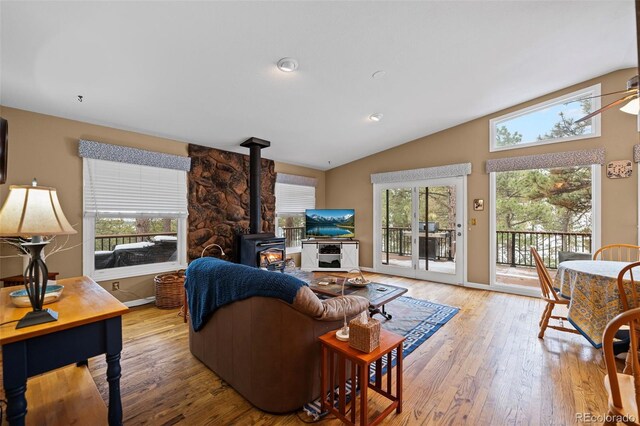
column 484, row 367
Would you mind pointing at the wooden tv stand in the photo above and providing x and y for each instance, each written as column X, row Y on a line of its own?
column 330, row 255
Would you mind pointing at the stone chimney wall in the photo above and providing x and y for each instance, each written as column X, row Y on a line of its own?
column 219, row 199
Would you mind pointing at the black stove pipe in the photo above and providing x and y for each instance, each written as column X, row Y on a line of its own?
column 255, row 145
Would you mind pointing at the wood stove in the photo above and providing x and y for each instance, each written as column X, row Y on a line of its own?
column 256, row 247
column 262, row 250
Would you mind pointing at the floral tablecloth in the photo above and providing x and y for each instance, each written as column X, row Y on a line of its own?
column 592, row 286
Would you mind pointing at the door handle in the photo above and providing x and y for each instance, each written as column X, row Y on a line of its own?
column 459, row 234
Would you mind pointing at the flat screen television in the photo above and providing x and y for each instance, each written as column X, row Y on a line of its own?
column 330, row 223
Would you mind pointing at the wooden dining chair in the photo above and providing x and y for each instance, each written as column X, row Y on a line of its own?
column 627, row 286
column 629, row 297
column 550, row 296
column 618, row 252
column 623, row 389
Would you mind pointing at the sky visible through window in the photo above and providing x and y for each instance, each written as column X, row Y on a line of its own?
column 537, row 123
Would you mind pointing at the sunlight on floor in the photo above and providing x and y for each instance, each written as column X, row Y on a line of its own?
column 505, row 274
column 444, row 267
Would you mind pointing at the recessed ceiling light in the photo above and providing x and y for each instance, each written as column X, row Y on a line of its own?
column 376, row 117
column 378, row 74
column 287, row 65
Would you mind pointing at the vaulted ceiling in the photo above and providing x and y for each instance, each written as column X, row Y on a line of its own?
column 204, row 72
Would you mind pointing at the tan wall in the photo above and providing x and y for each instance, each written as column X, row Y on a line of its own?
column 469, row 142
column 46, row 147
column 320, row 189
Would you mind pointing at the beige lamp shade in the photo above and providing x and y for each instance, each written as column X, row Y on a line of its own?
column 631, row 107
column 33, row 210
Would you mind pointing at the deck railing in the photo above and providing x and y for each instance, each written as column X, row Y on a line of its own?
column 293, row 236
column 108, row 242
column 400, row 243
column 512, row 247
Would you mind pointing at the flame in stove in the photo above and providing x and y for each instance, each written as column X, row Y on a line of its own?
column 273, row 257
column 268, row 257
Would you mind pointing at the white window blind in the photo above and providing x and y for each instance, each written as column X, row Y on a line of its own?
column 113, row 189
column 294, row 198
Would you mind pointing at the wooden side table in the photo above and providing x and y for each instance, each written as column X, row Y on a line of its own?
column 89, row 324
column 335, row 355
column 19, row 279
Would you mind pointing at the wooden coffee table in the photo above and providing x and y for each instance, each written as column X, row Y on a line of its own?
column 378, row 294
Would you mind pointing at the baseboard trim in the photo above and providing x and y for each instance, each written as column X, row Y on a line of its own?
column 139, row 302
column 501, row 288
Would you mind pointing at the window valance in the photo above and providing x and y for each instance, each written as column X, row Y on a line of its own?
column 125, row 154
column 451, row 170
column 296, row 180
column 585, row 157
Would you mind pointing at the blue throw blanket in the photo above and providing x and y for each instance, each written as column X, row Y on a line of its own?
column 212, row 283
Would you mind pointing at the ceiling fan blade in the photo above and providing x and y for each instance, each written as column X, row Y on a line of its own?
column 608, row 106
column 619, row 92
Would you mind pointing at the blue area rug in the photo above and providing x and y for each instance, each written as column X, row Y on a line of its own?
column 415, row 319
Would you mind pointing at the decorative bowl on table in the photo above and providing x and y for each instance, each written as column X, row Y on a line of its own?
column 20, row 298
column 358, row 281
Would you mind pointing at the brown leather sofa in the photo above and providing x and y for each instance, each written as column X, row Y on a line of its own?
column 267, row 349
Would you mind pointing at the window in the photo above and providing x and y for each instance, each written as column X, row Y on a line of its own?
column 549, row 209
column 291, row 202
column 134, row 219
column 548, row 122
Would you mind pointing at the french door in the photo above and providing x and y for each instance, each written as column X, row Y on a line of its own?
column 419, row 229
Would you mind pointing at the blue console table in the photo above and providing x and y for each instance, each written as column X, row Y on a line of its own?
column 89, row 324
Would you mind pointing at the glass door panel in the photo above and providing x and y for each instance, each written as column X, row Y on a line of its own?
column 551, row 210
column 437, row 222
column 396, row 220
column 419, row 229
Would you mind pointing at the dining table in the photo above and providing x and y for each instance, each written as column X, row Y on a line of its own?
column 592, row 287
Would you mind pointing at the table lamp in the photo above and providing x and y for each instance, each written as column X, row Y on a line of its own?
column 212, row 245
column 31, row 212
column 343, row 333
column 359, row 280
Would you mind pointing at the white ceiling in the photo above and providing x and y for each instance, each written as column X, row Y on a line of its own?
column 204, row 72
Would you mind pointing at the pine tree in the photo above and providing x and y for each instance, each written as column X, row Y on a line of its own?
column 505, row 138
column 566, row 127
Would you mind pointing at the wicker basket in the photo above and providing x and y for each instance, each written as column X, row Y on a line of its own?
column 364, row 337
column 169, row 289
